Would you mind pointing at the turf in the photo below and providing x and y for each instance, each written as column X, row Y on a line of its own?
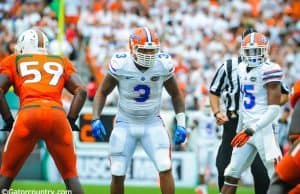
column 104, row 189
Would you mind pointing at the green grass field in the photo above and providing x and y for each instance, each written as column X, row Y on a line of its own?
column 96, row 189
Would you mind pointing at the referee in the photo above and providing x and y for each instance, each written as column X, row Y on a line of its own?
column 226, row 84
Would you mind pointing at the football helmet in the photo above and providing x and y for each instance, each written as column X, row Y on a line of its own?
column 144, row 46
column 32, row 41
column 254, row 49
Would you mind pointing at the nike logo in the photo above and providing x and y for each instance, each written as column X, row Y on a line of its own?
column 129, row 77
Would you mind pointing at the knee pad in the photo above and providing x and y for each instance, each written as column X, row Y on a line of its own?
column 118, row 165
column 162, row 160
column 233, row 172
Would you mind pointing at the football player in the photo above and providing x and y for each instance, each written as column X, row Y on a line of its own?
column 38, row 79
column 204, row 139
column 287, row 176
column 140, row 76
column 261, row 90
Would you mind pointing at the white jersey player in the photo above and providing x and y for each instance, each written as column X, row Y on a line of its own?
column 260, row 82
column 140, row 76
column 203, row 141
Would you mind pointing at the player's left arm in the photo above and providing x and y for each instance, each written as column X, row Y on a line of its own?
column 5, row 112
column 179, row 107
column 284, row 94
column 273, row 98
column 177, row 98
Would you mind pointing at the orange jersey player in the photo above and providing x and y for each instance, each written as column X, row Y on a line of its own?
column 287, row 176
column 38, row 79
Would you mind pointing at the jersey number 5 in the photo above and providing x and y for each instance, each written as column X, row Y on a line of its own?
column 53, row 68
column 249, row 101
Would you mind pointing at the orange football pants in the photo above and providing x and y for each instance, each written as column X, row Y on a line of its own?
column 35, row 122
column 288, row 169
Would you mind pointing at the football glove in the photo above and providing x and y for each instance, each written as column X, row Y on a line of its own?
column 180, row 135
column 8, row 124
column 242, row 137
column 73, row 124
column 98, row 130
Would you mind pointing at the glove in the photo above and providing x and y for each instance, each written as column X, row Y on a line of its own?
column 242, row 137
column 98, row 130
column 180, row 135
column 8, row 124
column 73, row 125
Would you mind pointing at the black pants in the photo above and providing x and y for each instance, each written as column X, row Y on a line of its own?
column 258, row 170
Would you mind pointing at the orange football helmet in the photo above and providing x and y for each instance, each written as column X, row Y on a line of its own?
column 254, row 49
column 144, row 46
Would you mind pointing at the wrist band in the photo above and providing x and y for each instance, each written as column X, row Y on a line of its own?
column 180, row 118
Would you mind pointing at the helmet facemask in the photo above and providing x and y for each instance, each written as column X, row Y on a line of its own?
column 254, row 56
column 145, row 55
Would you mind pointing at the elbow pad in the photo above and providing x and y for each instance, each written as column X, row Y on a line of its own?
column 268, row 117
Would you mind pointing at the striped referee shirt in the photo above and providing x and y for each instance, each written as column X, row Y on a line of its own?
column 226, row 83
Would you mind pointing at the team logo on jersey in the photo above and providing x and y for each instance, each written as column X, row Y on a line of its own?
column 253, row 79
column 154, row 78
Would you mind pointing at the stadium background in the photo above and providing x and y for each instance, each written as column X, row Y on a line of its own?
column 199, row 35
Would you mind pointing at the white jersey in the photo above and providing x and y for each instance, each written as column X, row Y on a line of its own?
column 253, row 91
column 140, row 92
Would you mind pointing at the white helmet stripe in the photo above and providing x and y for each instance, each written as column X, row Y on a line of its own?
column 252, row 38
column 148, row 34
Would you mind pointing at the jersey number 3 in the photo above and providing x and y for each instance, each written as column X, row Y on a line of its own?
column 53, row 68
column 144, row 92
column 249, row 101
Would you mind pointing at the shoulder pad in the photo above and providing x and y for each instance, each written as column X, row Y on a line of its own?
column 166, row 60
column 118, row 60
column 271, row 71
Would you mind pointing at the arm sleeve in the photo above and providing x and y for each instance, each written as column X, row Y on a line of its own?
column 115, row 67
column 168, row 64
column 6, row 67
column 272, row 74
column 268, row 117
column 218, row 82
column 284, row 88
column 69, row 68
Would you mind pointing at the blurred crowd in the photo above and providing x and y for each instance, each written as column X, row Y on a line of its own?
column 199, row 35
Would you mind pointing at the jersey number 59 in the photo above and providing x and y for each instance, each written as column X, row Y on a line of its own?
column 52, row 68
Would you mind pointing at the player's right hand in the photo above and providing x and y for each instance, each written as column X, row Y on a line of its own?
column 8, row 124
column 98, row 130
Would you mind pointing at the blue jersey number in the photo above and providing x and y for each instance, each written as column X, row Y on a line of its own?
column 163, row 55
column 144, row 92
column 121, row 55
column 249, row 102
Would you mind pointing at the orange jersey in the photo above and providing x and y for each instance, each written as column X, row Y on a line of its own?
column 295, row 95
column 37, row 77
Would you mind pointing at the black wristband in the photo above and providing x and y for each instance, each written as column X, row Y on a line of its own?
column 73, row 120
column 215, row 114
column 249, row 131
